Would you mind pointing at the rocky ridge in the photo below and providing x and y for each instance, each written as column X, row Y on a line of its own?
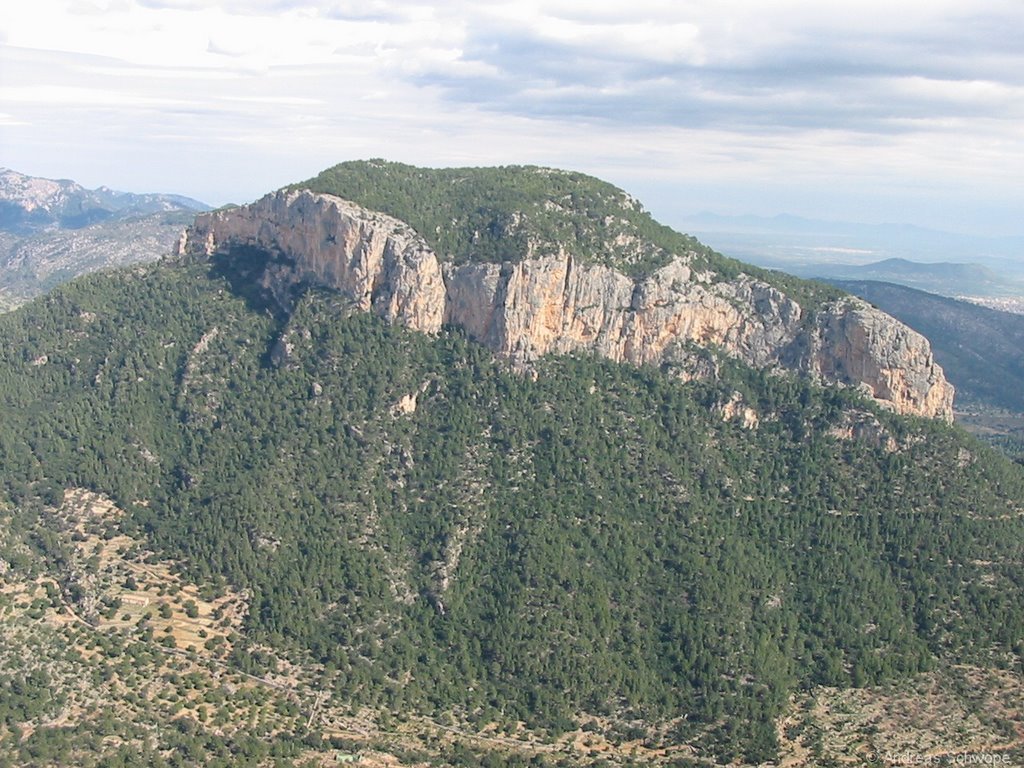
column 30, row 204
column 54, row 230
column 33, row 264
column 556, row 303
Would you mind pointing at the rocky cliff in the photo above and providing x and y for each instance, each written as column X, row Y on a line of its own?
column 557, row 303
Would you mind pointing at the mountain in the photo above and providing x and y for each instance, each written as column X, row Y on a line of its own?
column 981, row 350
column 52, row 231
column 29, row 204
column 31, row 265
column 555, row 262
column 255, row 512
column 792, row 242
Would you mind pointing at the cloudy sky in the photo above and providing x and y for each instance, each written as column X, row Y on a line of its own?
column 866, row 111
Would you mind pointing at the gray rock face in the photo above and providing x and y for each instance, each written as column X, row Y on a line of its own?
column 556, row 304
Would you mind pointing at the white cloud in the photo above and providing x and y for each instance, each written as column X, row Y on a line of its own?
column 10, row 120
column 73, row 96
column 224, row 100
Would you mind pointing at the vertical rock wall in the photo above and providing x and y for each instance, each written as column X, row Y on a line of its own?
column 556, row 304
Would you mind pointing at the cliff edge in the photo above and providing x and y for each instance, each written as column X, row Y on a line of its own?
column 556, row 302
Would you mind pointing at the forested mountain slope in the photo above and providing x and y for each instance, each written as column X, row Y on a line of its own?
column 429, row 534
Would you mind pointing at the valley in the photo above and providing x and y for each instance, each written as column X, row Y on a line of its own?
column 178, row 692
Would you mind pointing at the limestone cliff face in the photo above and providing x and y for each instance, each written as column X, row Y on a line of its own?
column 373, row 259
column 857, row 344
column 556, row 304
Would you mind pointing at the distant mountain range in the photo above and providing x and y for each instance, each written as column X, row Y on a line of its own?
column 29, row 204
column 54, row 230
column 948, row 263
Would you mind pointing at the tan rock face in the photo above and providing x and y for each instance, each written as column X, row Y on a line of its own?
column 373, row 259
column 856, row 344
column 542, row 305
column 555, row 304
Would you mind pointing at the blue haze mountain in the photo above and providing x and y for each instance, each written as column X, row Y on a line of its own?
column 53, row 230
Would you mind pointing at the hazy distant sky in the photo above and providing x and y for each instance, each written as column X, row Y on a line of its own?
column 909, row 111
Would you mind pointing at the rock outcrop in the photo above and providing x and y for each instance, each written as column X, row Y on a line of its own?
column 855, row 343
column 558, row 304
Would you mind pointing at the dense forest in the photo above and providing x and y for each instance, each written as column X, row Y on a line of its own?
column 598, row 543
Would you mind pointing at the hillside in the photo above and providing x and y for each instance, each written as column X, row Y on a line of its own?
column 31, row 265
column 516, row 212
column 247, row 527
column 981, row 350
column 496, row 214
column 944, row 278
